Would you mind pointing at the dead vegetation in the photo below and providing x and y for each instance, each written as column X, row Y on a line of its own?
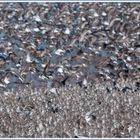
column 99, row 110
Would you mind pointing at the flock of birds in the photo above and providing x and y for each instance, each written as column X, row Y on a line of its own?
column 59, row 44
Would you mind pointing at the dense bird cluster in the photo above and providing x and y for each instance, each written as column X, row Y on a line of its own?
column 69, row 70
column 100, row 110
column 57, row 44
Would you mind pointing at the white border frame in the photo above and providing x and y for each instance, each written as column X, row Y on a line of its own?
column 134, row 1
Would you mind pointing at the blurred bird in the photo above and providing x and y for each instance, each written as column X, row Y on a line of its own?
column 2, row 60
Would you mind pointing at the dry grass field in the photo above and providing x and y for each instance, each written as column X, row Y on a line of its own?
column 98, row 110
